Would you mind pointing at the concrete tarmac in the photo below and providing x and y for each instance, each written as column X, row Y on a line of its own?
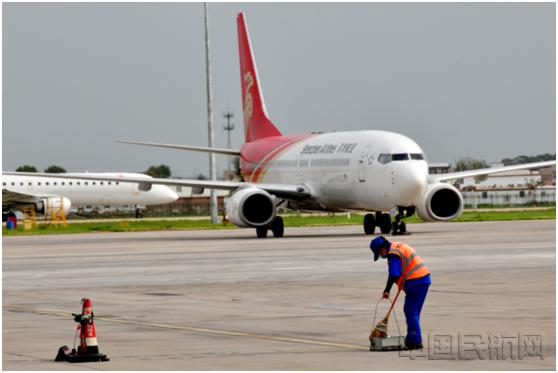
column 225, row 300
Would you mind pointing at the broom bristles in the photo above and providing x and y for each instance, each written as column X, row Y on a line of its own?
column 380, row 331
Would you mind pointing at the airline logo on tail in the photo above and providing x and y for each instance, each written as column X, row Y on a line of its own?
column 248, row 84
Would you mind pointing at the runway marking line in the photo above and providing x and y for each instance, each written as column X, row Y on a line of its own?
column 277, row 338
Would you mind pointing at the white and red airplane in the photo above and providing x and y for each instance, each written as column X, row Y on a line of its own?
column 374, row 171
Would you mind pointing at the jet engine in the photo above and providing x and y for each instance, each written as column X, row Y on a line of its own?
column 56, row 204
column 251, row 207
column 440, row 202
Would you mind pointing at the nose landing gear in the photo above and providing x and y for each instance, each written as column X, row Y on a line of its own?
column 382, row 220
column 399, row 227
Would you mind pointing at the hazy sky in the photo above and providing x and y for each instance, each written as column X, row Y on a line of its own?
column 460, row 79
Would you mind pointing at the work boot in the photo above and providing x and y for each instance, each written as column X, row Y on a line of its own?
column 413, row 346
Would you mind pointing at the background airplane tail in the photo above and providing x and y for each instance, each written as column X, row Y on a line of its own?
column 257, row 124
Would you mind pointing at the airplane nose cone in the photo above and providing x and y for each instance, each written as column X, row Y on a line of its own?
column 169, row 195
column 412, row 183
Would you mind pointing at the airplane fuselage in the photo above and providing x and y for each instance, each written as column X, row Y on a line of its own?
column 91, row 193
column 357, row 170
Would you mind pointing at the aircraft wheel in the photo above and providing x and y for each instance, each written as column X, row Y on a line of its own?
column 261, row 232
column 369, row 224
column 403, row 227
column 384, row 222
column 395, row 228
column 278, row 227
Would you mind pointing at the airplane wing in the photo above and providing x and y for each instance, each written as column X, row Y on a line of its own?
column 10, row 197
column 285, row 191
column 488, row 171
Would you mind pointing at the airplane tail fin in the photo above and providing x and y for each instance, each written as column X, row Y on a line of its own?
column 257, row 124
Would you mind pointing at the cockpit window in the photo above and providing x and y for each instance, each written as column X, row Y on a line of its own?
column 384, row 158
column 400, row 157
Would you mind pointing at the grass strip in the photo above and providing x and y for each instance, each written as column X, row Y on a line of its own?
column 290, row 221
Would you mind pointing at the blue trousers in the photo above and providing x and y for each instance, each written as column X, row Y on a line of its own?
column 414, row 299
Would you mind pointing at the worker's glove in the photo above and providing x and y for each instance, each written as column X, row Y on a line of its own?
column 385, row 295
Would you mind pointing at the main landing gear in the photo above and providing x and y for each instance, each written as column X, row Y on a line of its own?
column 383, row 221
column 277, row 227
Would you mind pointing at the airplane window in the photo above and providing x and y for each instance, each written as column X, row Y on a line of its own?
column 39, row 183
column 13, row 184
column 101, row 183
column 55, row 183
column 3, row 184
column 93, row 183
column 63, row 183
column 384, row 158
column 71, row 183
column 86, row 183
column 118, row 182
column 400, row 157
column 30, row 184
column 78, row 183
column 109, row 183
column 417, row 156
column 47, row 183
column 21, row 183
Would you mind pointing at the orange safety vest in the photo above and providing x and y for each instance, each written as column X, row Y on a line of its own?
column 412, row 265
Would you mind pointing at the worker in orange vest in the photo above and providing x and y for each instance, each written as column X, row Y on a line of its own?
column 406, row 269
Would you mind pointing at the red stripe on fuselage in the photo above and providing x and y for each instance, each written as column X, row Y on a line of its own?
column 255, row 155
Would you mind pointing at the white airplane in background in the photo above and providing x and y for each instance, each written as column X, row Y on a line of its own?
column 374, row 171
column 45, row 193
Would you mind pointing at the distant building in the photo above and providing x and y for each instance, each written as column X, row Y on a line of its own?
column 191, row 200
column 439, row 168
column 548, row 175
column 509, row 197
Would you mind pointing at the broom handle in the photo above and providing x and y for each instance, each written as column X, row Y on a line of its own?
column 393, row 303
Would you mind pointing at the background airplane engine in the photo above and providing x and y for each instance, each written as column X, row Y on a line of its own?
column 440, row 202
column 251, row 207
column 54, row 203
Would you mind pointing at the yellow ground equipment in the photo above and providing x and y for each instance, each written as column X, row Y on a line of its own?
column 29, row 218
column 57, row 217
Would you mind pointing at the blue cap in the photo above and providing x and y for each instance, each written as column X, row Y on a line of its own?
column 376, row 244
